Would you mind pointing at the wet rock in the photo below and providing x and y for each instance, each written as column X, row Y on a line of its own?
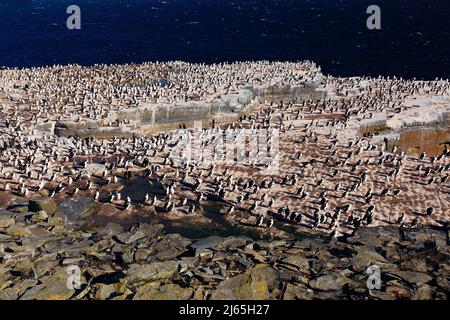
column 152, row 271
column 153, row 291
column 254, row 284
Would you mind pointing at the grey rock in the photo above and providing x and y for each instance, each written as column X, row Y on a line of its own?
column 4, row 214
column 376, row 236
column 76, row 208
column 152, row 231
column 297, row 291
column 412, row 276
column 152, row 271
column 52, row 287
column 254, row 284
column 328, row 282
column 170, row 246
column 6, row 222
column 14, row 292
column 153, row 291
column 425, row 235
column 128, row 237
column 297, row 261
column 207, row 243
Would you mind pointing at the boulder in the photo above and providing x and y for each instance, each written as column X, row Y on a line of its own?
column 254, row 284
column 18, row 231
column 53, row 287
column 207, row 243
column 76, row 209
column 151, row 231
column 39, row 203
column 105, row 291
column 40, row 216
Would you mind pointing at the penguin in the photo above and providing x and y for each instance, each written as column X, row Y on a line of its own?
column 261, row 221
column 415, row 222
column 401, row 219
column 191, row 209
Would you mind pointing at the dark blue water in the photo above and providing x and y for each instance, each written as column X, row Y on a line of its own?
column 414, row 40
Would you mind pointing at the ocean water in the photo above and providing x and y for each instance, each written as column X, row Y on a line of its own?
column 413, row 42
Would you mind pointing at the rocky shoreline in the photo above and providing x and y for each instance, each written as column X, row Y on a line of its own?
column 40, row 241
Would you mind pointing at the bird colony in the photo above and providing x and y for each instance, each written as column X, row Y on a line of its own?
column 327, row 175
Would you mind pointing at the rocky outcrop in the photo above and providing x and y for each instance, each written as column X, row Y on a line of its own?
column 42, row 204
column 159, row 116
column 142, row 262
